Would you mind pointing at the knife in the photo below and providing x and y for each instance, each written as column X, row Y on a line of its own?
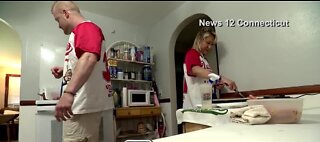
column 239, row 93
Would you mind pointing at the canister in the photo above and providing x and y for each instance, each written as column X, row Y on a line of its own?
column 120, row 74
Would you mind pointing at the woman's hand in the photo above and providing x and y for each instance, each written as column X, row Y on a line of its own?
column 230, row 84
column 219, row 85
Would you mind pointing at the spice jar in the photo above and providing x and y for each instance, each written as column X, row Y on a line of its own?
column 126, row 55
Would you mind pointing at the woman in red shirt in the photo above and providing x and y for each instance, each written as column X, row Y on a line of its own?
column 197, row 70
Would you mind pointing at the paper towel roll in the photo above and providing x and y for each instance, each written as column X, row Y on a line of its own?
column 124, row 97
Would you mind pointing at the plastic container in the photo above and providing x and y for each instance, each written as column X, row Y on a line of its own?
column 51, row 93
column 206, row 96
column 282, row 111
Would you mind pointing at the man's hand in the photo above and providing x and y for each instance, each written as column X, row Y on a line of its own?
column 63, row 107
column 57, row 72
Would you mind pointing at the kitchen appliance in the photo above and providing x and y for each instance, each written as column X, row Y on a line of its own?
column 140, row 98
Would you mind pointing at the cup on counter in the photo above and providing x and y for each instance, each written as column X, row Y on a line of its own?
column 206, row 96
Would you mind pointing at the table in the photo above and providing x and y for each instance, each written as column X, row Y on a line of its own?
column 307, row 130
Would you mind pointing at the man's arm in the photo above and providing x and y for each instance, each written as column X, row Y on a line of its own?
column 82, row 71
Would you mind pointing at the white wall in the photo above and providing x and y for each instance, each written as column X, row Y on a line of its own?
column 38, row 30
column 255, row 58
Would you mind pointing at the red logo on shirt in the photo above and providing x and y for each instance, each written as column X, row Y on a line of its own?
column 69, row 49
column 204, row 63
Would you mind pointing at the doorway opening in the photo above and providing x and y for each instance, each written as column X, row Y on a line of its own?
column 184, row 42
column 10, row 70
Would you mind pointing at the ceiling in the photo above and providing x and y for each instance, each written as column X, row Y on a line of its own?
column 145, row 13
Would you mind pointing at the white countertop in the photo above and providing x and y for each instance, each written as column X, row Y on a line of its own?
column 46, row 105
column 307, row 130
column 46, row 102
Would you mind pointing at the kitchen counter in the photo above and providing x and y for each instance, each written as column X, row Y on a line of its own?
column 46, row 105
column 307, row 130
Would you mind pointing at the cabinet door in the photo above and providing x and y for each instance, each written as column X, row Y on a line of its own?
column 150, row 112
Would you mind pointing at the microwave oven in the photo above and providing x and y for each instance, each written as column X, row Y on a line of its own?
column 140, row 98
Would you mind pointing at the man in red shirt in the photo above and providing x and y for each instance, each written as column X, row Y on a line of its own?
column 86, row 92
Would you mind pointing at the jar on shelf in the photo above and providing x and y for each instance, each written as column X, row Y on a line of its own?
column 133, row 51
column 120, row 74
column 133, row 75
column 126, row 55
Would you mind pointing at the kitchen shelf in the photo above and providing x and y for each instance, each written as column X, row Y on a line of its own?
column 129, row 61
column 131, row 80
column 128, row 118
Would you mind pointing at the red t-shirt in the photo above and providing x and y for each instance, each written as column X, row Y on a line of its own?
column 88, row 37
column 95, row 94
column 193, row 58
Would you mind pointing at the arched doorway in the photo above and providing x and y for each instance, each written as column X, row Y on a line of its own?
column 10, row 70
column 184, row 42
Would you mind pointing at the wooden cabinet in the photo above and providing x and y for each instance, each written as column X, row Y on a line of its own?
column 189, row 127
column 128, row 120
column 136, row 112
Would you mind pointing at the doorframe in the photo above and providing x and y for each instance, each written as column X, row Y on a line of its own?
column 173, row 41
column 7, row 87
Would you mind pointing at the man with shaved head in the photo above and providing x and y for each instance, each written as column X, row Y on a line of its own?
column 86, row 86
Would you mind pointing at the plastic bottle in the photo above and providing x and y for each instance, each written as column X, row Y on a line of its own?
column 133, row 53
column 146, row 54
column 147, row 73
